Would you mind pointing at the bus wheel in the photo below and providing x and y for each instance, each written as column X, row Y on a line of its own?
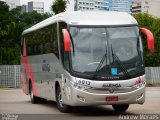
column 120, row 108
column 34, row 99
column 62, row 107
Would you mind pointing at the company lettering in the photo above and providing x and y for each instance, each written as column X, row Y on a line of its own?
column 111, row 85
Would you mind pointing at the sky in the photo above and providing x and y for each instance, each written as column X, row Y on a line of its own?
column 47, row 4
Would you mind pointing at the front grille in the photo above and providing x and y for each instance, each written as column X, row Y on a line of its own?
column 110, row 90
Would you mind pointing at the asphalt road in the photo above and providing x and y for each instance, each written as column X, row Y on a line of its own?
column 15, row 105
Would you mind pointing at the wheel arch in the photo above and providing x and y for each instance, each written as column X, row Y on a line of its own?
column 29, row 85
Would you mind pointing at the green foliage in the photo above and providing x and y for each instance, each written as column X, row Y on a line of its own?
column 4, row 14
column 31, row 18
column 150, row 84
column 59, row 6
column 12, row 23
column 153, row 24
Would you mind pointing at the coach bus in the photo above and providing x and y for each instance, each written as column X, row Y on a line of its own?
column 85, row 59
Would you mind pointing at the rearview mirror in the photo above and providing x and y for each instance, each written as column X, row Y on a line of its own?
column 150, row 38
column 66, row 40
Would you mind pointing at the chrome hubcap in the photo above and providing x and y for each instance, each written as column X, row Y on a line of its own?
column 60, row 99
column 31, row 94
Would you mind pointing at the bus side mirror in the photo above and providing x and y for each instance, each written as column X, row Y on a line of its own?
column 150, row 38
column 66, row 40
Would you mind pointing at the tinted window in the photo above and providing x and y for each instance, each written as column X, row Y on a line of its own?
column 43, row 41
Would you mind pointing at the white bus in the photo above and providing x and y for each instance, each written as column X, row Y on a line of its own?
column 85, row 59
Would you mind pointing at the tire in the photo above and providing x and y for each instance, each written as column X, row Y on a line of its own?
column 62, row 107
column 34, row 99
column 120, row 108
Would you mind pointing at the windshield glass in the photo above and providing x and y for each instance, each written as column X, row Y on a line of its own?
column 93, row 50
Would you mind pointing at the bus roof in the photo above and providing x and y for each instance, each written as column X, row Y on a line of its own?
column 95, row 18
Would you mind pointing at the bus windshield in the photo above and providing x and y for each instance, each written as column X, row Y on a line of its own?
column 106, row 51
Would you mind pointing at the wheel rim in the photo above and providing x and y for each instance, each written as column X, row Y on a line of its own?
column 31, row 94
column 60, row 100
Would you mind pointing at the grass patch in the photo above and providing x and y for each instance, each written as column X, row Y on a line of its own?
column 4, row 87
column 150, row 84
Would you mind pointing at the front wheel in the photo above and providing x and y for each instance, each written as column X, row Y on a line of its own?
column 62, row 107
column 120, row 108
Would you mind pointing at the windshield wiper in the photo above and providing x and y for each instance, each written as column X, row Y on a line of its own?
column 99, row 65
column 116, row 59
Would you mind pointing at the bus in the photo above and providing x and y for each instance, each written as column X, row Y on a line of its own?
column 85, row 59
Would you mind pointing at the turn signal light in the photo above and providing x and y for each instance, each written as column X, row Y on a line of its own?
column 138, row 81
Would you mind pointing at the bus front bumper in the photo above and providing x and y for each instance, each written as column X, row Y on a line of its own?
column 83, row 98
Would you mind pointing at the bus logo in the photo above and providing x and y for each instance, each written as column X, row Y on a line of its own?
column 111, row 85
column 45, row 66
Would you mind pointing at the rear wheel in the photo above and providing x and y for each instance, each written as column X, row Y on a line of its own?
column 120, row 108
column 62, row 107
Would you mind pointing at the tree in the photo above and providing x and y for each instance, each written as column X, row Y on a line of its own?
column 31, row 18
column 4, row 19
column 4, row 14
column 59, row 6
column 12, row 23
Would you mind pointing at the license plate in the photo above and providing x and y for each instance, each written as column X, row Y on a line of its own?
column 112, row 98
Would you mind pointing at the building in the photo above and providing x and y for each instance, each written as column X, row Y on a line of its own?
column 120, row 5
column 136, row 6
column 12, row 3
column 101, row 5
column 107, row 5
column 85, row 5
column 36, row 6
column 91, row 5
column 70, row 5
column 24, row 8
column 152, row 7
